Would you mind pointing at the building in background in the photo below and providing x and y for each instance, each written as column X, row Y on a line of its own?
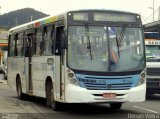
column 3, row 45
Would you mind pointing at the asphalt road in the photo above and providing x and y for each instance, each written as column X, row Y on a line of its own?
column 35, row 108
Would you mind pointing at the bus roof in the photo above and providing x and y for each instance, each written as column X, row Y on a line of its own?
column 103, row 10
column 52, row 18
column 36, row 23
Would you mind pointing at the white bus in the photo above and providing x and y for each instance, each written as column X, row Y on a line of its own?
column 69, row 58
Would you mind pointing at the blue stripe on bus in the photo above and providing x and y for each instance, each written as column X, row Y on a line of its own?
column 107, row 82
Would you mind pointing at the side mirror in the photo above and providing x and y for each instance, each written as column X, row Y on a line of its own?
column 63, row 41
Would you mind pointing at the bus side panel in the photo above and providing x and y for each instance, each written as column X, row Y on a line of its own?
column 57, row 79
column 40, row 71
column 16, row 67
column 11, row 74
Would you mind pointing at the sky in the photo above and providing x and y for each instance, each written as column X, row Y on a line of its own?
column 54, row 7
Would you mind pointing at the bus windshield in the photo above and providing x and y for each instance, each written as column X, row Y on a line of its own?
column 105, row 48
column 153, row 53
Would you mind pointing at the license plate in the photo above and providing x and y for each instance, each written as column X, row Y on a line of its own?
column 109, row 95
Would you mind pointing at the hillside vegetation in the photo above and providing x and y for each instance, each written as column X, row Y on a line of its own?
column 18, row 17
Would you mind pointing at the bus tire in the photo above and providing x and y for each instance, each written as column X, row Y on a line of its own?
column 149, row 94
column 56, row 106
column 49, row 88
column 115, row 106
column 20, row 95
column 50, row 102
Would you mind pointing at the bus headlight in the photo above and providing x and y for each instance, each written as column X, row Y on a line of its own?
column 70, row 75
column 73, row 81
column 142, row 78
column 72, row 78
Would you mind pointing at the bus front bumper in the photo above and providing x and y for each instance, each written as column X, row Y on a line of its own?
column 76, row 94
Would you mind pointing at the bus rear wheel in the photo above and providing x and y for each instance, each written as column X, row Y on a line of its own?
column 115, row 105
column 20, row 95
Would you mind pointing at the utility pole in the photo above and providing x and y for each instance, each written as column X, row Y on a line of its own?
column 31, row 18
column 153, row 10
column 16, row 21
column 159, row 13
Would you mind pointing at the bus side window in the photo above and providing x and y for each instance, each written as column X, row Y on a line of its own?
column 35, row 43
column 28, row 46
column 11, row 46
column 47, row 37
column 15, row 45
column 44, row 39
column 39, row 42
column 59, row 33
column 20, row 45
column 52, row 38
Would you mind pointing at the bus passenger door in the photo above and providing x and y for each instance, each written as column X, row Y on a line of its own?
column 59, row 64
column 28, row 64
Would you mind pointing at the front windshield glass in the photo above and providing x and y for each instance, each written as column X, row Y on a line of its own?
column 153, row 53
column 105, row 49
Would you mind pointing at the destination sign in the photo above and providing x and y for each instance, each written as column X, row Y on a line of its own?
column 80, row 16
column 114, row 17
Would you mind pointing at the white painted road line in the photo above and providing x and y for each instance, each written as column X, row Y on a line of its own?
column 146, row 109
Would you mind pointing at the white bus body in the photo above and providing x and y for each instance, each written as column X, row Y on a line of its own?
column 44, row 58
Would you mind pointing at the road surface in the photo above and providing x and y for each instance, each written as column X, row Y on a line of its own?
column 35, row 108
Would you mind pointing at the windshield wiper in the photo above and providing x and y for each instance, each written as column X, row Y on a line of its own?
column 117, row 46
column 88, row 38
column 120, row 39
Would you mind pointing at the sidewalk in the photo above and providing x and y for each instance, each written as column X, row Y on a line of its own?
column 9, row 105
column 9, row 102
column 3, row 81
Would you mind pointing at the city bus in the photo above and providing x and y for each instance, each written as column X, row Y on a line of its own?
column 81, row 56
column 152, row 45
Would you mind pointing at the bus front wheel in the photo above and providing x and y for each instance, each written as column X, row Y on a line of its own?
column 115, row 105
column 49, row 88
column 50, row 102
column 56, row 106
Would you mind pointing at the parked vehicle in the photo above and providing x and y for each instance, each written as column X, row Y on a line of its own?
column 153, row 66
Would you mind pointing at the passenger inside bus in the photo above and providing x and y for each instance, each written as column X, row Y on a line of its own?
column 113, row 54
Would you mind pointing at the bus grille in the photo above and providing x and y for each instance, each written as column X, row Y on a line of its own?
column 93, row 83
column 153, row 71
